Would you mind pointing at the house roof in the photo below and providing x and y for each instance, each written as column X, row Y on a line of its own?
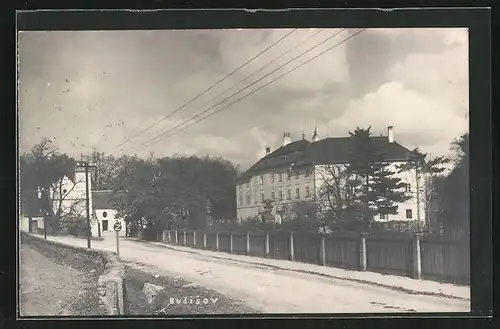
column 105, row 199
column 326, row 151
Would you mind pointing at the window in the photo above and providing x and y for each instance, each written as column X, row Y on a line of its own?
column 256, row 200
column 289, row 194
column 104, row 214
column 272, row 178
column 297, row 193
column 241, row 198
column 65, row 191
column 408, row 188
column 273, row 196
column 280, row 177
column 281, row 195
column 382, row 216
column 261, row 180
column 248, row 199
column 409, row 213
column 308, row 192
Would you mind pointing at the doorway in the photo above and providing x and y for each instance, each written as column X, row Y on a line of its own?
column 104, row 225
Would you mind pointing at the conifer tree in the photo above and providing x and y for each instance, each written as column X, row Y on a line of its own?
column 376, row 188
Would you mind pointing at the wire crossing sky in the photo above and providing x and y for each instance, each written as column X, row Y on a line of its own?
column 87, row 90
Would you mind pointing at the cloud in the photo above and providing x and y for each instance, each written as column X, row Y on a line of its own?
column 95, row 88
column 418, row 120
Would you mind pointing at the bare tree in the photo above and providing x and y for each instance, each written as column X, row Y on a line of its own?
column 60, row 193
column 106, row 170
column 334, row 193
column 48, row 168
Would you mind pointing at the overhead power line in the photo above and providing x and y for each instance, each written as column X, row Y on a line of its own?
column 147, row 142
column 204, row 92
column 263, row 86
column 154, row 140
column 261, row 68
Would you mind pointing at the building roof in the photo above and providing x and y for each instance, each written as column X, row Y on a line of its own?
column 105, row 199
column 335, row 150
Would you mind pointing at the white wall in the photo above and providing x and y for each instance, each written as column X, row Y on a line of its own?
column 75, row 194
column 111, row 217
column 24, row 223
column 255, row 189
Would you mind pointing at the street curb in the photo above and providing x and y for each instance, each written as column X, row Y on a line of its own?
column 372, row 283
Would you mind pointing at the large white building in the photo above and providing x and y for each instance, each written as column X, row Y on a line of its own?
column 299, row 171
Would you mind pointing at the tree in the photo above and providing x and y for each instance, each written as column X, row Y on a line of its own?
column 334, row 192
column 43, row 168
column 178, row 191
column 386, row 191
column 453, row 190
column 106, row 168
column 422, row 165
column 374, row 185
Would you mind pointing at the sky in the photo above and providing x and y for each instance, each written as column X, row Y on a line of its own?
column 112, row 90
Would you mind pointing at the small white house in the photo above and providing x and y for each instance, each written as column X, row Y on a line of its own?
column 105, row 214
column 69, row 194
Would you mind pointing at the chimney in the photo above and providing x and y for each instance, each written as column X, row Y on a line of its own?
column 315, row 137
column 268, row 150
column 390, row 134
column 286, row 139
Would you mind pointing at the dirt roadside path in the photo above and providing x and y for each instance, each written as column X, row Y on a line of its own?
column 51, row 289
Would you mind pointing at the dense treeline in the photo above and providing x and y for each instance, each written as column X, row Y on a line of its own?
column 194, row 192
column 165, row 192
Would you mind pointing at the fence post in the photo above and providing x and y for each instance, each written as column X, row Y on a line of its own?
column 230, row 242
column 248, row 243
column 417, row 260
column 169, row 236
column 185, row 240
column 322, row 251
column 291, row 256
column 362, row 252
column 194, row 239
column 267, row 244
column 217, row 241
column 204, row 240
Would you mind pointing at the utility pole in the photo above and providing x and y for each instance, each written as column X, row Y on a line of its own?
column 86, row 166
column 417, row 177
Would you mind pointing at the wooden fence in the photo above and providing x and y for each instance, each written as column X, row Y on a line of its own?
column 417, row 256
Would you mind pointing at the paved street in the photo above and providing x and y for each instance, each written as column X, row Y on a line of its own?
column 268, row 289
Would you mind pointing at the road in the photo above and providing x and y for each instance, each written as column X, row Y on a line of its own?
column 270, row 290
